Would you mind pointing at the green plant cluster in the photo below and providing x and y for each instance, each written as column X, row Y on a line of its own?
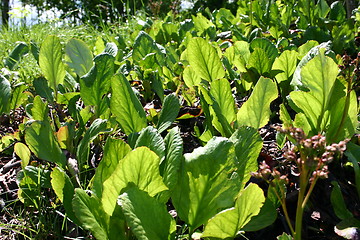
column 101, row 137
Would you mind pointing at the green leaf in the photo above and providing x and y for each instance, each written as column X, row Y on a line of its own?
column 206, row 185
column 64, row 190
column 337, row 11
column 81, row 59
column 255, row 112
column 266, row 45
column 23, row 152
column 229, row 222
column 204, row 60
column 20, row 50
column 141, row 167
column 286, row 63
column 248, row 144
column 318, row 76
column 191, row 79
column 343, row 111
column 39, row 110
column 90, row 213
column 220, row 90
column 50, row 61
column 353, row 154
column 147, row 218
column 211, row 106
column 338, row 203
column 5, row 94
column 284, row 236
column 267, row 216
column 96, row 83
column 259, row 61
column 174, row 157
column 41, row 140
column 149, row 137
column 42, row 88
column 239, row 54
column 18, row 97
column 145, row 46
column 313, row 52
column 126, row 106
column 83, row 150
column 169, row 112
column 114, row 151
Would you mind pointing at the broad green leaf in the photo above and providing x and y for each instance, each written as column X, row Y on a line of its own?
column 229, row 222
column 96, row 83
column 18, row 96
column 81, row 59
column 239, row 54
column 267, row 216
column 151, row 138
column 343, row 111
column 41, row 140
column 337, row 11
column 248, row 144
column 38, row 176
column 220, row 90
column 169, row 112
column 260, row 61
column 147, row 218
column 50, row 61
column 353, row 154
column 218, row 120
column 276, row 189
column 318, row 76
column 126, row 106
column 23, row 152
column 201, row 23
column 338, row 203
column 285, row 116
column 255, row 112
column 204, row 60
column 64, row 190
column 5, row 94
column 322, row 8
column 20, row 50
column 90, row 213
column 284, row 236
column 286, row 63
column 206, row 184
column 145, row 46
column 114, row 151
column 83, row 150
column 313, row 52
column 304, row 49
column 42, row 88
column 111, row 49
column 191, row 79
column 266, row 45
column 39, row 110
column 170, row 168
column 140, row 167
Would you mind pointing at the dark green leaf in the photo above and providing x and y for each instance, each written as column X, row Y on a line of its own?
column 147, row 218
column 126, row 106
column 169, row 112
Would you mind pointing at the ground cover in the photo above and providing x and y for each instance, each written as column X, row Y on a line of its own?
column 218, row 125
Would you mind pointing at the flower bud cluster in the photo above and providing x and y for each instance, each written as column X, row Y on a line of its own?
column 268, row 174
column 312, row 153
